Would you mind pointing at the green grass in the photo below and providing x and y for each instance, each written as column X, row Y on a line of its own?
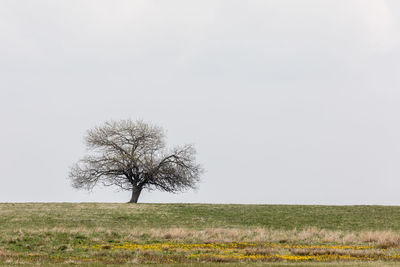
column 198, row 216
column 68, row 233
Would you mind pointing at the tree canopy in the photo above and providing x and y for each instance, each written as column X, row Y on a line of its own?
column 133, row 156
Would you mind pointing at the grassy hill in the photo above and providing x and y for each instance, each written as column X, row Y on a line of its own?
column 198, row 216
column 97, row 233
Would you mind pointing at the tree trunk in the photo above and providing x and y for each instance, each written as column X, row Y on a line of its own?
column 135, row 194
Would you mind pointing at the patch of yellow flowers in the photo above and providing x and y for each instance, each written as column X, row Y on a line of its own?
column 238, row 256
column 219, row 246
column 250, row 251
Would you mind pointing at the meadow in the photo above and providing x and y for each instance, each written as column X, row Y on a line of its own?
column 99, row 234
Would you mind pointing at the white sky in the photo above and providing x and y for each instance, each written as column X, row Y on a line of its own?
column 294, row 102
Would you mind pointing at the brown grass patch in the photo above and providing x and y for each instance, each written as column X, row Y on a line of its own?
column 384, row 239
column 310, row 235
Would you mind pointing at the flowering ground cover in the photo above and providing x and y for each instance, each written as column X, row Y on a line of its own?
column 250, row 252
column 191, row 234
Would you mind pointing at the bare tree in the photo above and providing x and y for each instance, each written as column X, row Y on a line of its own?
column 132, row 156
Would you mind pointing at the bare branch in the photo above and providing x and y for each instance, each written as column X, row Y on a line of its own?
column 132, row 156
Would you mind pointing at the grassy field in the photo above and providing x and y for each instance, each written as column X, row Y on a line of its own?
column 199, row 234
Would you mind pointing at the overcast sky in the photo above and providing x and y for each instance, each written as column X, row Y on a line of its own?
column 294, row 102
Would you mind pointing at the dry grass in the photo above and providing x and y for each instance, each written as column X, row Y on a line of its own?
column 382, row 238
column 310, row 235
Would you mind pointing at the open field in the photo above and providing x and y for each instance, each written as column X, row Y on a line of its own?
column 197, row 234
